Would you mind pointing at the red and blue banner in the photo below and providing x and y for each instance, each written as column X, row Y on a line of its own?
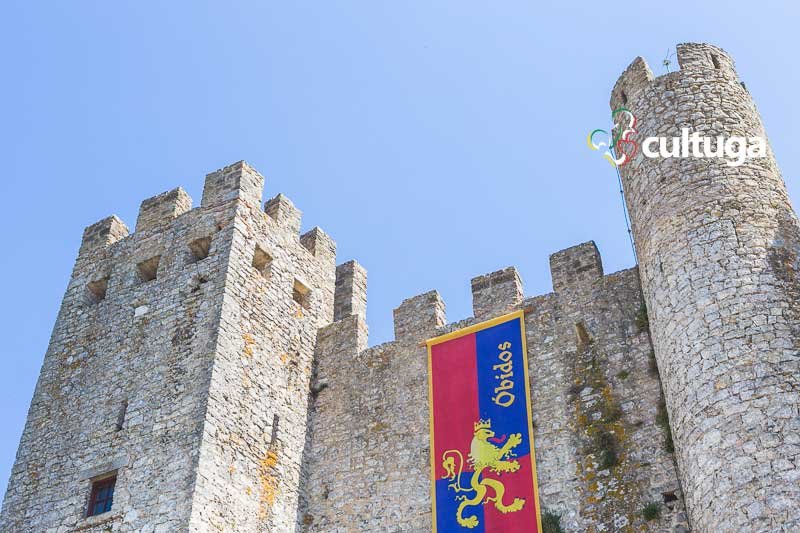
column 483, row 471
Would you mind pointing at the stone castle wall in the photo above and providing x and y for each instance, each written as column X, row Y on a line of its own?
column 718, row 251
column 591, row 371
column 217, row 362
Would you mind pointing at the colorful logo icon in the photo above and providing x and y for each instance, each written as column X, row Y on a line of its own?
column 618, row 148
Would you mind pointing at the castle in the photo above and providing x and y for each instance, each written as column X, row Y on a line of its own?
column 211, row 370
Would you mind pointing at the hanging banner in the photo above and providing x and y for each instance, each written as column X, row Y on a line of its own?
column 483, row 471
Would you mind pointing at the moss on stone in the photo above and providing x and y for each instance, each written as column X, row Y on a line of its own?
column 610, row 409
column 652, row 363
column 662, row 420
column 551, row 522
column 651, row 511
column 604, row 446
column 641, row 320
column 605, row 469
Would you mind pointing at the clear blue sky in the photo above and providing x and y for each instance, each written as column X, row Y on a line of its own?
column 434, row 140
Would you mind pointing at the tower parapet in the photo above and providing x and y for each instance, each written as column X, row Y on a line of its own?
column 717, row 246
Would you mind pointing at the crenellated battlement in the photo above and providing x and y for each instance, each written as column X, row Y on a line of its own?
column 693, row 59
column 703, row 56
column 171, row 236
column 152, row 250
column 575, row 270
column 636, row 79
column 320, row 244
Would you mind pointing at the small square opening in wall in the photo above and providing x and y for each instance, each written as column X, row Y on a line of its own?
column 148, row 270
column 301, row 294
column 262, row 261
column 97, row 290
column 200, row 248
column 101, row 497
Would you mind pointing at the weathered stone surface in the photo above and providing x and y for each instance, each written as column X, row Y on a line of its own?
column 368, row 455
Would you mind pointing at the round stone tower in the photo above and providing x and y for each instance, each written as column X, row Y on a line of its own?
column 718, row 248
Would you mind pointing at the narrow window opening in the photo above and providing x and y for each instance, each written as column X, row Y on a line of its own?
column 121, row 416
column 102, row 496
column 97, row 290
column 200, row 248
column 274, row 438
column 715, row 61
column 148, row 270
column 262, row 261
column 624, row 97
column 301, row 294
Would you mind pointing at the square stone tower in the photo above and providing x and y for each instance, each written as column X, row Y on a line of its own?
column 179, row 370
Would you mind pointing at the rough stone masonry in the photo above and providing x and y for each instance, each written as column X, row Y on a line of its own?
column 217, row 362
column 718, row 251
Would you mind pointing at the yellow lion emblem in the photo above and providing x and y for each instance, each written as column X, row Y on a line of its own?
column 482, row 454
